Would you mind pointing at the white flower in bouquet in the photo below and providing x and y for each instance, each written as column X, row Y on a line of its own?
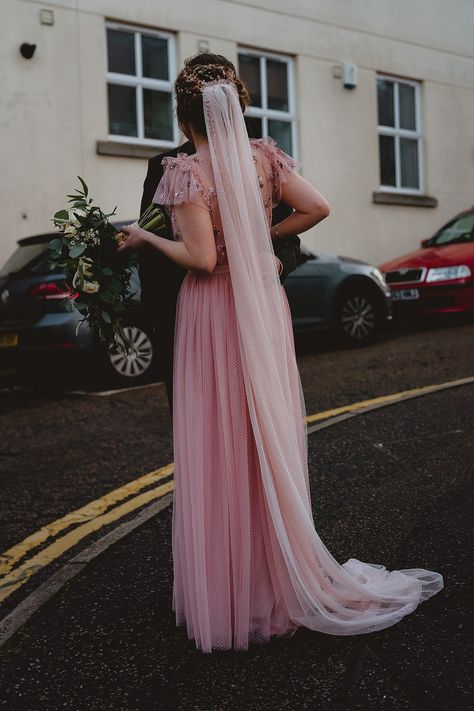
column 90, row 287
column 70, row 231
column 84, row 271
column 73, row 216
column 86, row 265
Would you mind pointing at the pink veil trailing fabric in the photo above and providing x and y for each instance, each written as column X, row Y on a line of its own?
column 320, row 594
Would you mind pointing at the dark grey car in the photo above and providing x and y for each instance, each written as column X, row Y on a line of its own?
column 35, row 332
column 339, row 293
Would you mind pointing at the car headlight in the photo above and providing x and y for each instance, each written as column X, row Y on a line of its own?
column 379, row 276
column 446, row 273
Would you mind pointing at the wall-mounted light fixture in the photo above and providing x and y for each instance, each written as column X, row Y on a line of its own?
column 27, row 50
column 46, row 17
column 347, row 72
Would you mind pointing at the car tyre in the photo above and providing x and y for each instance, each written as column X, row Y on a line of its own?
column 356, row 317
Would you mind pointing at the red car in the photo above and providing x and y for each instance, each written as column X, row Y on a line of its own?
column 439, row 277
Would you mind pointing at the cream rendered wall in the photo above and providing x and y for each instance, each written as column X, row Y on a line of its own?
column 53, row 108
column 40, row 136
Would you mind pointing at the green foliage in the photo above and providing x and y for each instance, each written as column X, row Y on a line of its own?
column 86, row 249
column 61, row 215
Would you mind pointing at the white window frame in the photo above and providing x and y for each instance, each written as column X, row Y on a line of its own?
column 139, row 82
column 398, row 133
column 263, row 112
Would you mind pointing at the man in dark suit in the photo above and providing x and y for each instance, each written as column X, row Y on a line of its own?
column 161, row 278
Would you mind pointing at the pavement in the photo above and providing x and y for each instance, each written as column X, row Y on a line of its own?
column 392, row 486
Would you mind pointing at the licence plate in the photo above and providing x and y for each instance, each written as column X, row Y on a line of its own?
column 8, row 340
column 405, row 294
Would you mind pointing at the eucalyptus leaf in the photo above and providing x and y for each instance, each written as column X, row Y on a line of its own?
column 76, row 250
column 106, row 316
column 107, row 271
column 55, row 245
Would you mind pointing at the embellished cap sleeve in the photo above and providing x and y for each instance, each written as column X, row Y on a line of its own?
column 182, row 183
column 278, row 163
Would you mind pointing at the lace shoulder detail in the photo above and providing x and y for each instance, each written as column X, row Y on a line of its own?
column 183, row 182
column 277, row 163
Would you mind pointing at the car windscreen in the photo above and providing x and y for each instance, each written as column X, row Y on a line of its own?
column 459, row 231
column 28, row 259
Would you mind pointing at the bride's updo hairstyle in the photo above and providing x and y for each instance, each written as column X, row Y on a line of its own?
column 189, row 84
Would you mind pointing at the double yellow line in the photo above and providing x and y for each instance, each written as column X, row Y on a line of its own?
column 108, row 509
column 90, row 518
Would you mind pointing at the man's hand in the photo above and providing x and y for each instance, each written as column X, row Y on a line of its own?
column 135, row 237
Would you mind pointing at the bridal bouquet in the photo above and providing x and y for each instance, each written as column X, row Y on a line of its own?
column 98, row 276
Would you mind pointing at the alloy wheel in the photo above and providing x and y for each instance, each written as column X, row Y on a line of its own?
column 138, row 360
column 358, row 317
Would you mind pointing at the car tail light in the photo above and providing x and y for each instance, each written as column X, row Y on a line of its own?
column 64, row 346
column 52, row 290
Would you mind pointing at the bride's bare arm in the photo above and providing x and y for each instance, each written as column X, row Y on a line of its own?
column 195, row 226
column 310, row 207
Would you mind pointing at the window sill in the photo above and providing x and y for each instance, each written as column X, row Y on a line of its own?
column 127, row 150
column 386, row 198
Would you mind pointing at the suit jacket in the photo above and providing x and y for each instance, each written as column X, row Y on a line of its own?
column 161, row 278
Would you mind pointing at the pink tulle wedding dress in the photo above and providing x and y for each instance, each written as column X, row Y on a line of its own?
column 248, row 562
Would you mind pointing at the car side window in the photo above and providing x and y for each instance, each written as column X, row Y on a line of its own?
column 461, row 230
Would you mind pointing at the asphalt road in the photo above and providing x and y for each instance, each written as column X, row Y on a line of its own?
column 392, row 486
column 59, row 452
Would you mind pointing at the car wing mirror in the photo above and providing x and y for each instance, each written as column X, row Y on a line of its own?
column 425, row 243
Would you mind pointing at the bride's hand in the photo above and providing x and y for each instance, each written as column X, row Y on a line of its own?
column 135, row 237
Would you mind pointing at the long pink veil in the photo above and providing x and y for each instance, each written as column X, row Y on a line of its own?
column 321, row 594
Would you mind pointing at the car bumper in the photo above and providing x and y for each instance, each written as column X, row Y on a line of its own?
column 53, row 333
column 434, row 299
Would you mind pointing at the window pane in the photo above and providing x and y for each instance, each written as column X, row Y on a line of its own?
column 409, row 163
column 385, row 102
column 121, row 52
column 122, row 110
column 249, row 71
column 406, row 95
column 277, row 85
column 155, row 57
column 387, row 160
column 157, row 114
column 254, row 126
column 281, row 132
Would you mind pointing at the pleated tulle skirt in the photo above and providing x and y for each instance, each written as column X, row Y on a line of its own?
column 227, row 563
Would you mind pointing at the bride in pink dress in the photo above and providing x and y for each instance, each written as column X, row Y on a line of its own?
column 248, row 562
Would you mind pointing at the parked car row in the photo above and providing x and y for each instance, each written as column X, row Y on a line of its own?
column 324, row 292
column 348, row 296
